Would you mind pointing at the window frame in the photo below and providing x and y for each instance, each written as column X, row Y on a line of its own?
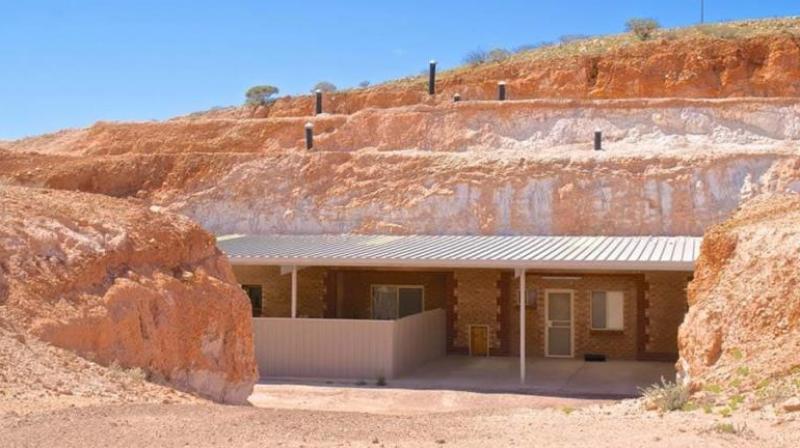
column 591, row 310
column 372, row 287
column 245, row 287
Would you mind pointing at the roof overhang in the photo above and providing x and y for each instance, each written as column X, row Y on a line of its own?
column 551, row 253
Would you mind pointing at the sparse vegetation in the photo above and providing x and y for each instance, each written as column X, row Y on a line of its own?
column 666, row 396
column 735, row 401
column 690, row 406
column 136, row 374
column 363, row 84
column 476, row 57
column 569, row 38
column 381, row 381
column 732, row 429
column 567, row 409
column 324, row 86
column 642, row 28
column 530, row 47
column 599, row 45
column 498, row 55
column 260, row 95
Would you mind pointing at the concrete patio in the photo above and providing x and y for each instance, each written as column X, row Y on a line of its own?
column 546, row 376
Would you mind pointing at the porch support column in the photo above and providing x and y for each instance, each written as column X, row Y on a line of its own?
column 294, row 292
column 522, row 327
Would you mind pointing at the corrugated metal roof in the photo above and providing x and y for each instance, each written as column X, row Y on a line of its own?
column 629, row 253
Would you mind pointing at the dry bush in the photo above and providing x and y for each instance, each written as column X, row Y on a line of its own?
column 642, row 28
column 666, row 396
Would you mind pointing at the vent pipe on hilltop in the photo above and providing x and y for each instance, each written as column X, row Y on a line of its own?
column 598, row 140
column 501, row 91
column 432, row 78
column 309, row 135
column 318, row 104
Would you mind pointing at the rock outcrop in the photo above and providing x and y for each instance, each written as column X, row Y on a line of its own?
column 743, row 325
column 122, row 284
column 670, row 166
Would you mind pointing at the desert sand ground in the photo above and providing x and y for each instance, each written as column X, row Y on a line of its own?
column 295, row 416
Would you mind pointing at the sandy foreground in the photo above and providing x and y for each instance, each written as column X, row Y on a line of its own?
column 294, row 416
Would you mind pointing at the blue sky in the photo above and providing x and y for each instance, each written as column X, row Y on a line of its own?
column 69, row 63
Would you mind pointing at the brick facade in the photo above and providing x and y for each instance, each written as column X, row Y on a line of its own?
column 666, row 305
column 276, row 290
column 476, row 295
column 654, row 305
column 663, row 296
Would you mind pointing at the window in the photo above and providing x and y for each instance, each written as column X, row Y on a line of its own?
column 395, row 301
column 254, row 292
column 607, row 310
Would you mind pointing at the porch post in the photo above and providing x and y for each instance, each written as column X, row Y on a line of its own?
column 294, row 292
column 522, row 326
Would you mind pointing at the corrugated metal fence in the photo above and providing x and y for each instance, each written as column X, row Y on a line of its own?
column 347, row 348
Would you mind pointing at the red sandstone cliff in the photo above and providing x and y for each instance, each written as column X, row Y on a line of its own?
column 118, row 283
column 743, row 325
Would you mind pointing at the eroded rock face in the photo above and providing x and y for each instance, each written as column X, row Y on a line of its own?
column 403, row 192
column 743, row 324
column 669, row 167
column 763, row 66
column 115, row 281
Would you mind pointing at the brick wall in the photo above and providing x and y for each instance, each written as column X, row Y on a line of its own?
column 614, row 344
column 477, row 294
column 276, row 290
column 666, row 306
column 533, row 316
column 489, row 297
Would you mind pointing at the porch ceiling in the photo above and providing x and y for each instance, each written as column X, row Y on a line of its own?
column 606, row 253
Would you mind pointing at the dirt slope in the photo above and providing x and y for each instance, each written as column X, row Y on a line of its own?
column 687, row 63
column 118, row 283
column 743, row 325
column 36, row 376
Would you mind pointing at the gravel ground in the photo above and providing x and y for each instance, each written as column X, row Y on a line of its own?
column 495, row 420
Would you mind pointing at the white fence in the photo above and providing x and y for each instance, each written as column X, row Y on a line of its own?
column 347, row 348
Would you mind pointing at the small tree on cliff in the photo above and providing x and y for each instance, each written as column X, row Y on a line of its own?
column 642, row 28
column 476, row 57
column 260, row 95
column 324, row 86
column 498, row 55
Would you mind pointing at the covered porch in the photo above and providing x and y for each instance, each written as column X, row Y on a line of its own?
column 524, row 298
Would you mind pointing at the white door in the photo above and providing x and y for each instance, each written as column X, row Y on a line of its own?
column 558, row 322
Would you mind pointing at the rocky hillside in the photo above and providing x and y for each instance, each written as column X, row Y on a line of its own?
column 123, row 285
column 736, row 59
column 743, row 327
column 669, row 167
column 392, row 159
